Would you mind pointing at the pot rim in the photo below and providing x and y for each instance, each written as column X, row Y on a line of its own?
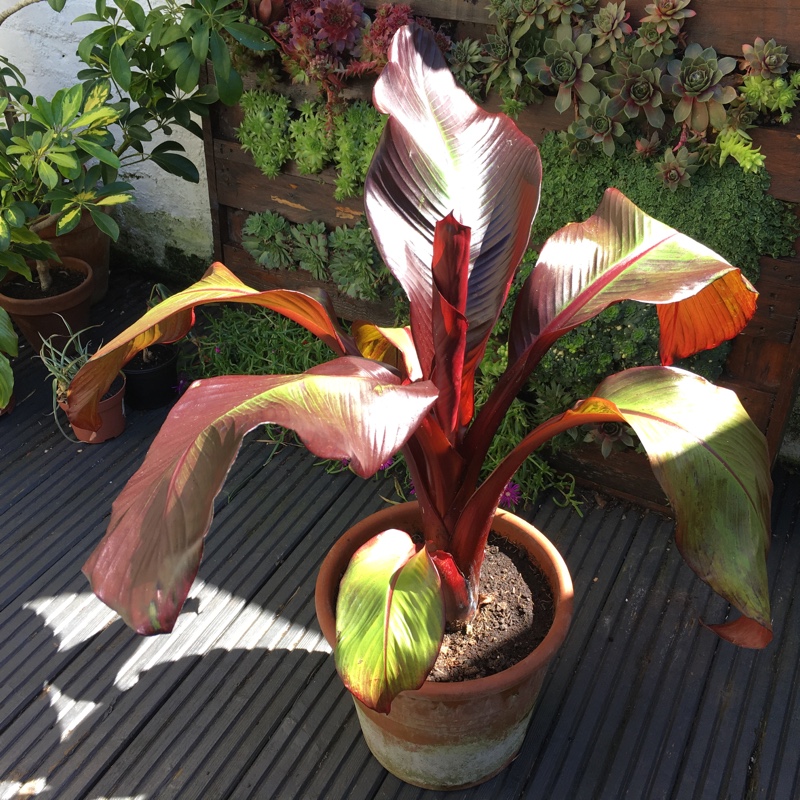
column 168, row 346
column 74, row 296
column 551, row 563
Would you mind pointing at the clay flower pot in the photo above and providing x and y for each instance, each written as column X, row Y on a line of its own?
column 40, row 318
column 112, row 415
column 453, row 735
column 88, row 243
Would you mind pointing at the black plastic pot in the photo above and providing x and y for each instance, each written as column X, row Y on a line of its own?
column 152, row 384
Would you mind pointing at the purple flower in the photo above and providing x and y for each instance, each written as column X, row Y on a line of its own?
column 511, row 496
column 386, row 464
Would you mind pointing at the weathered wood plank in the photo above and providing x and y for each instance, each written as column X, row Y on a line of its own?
column 723, row 24
column 243, row 265
column 300, row 198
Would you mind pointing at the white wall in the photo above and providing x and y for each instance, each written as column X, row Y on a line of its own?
column 166, row 210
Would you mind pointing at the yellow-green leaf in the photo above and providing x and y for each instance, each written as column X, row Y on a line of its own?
column 389, row 619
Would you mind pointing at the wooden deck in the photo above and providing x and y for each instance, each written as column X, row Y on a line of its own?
column 242, row 700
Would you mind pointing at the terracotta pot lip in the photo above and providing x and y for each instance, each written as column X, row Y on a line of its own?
column 73, row 296
column 111, row 400
column 476, row 687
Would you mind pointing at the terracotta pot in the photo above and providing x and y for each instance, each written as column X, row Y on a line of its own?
column 153, row 386
column 38, row 319
column 112, row 417
column 453, row 735
column 87, row 242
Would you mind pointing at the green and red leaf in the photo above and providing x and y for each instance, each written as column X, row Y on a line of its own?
column 349, row 408
column 713, row 464
column 710, row 459
column 389, row 619
column 173, row 318
column 621, row 253
column 440, row 152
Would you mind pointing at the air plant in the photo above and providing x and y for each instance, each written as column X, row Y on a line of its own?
column 450, row 198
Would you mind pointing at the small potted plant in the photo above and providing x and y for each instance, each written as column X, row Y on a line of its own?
column 152, row 374
column 46, row 183
column 63, row 361
column 47, row 192
column 450, row 197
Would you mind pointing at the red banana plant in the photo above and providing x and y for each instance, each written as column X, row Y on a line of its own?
column 450, row 196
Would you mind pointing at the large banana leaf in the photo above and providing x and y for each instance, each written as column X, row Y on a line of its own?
column 441, row 153
column 389, row 619
column 174, row 317
column 621, row 253
column 349, row 408
column 713, row 464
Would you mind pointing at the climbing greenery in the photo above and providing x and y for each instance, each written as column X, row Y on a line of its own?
column 274, row 133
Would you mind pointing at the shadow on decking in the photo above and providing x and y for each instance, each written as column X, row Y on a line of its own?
column 242, row 700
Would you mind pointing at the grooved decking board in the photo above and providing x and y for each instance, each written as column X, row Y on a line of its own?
column 242, row 699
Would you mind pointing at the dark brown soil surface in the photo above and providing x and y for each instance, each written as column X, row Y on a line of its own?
column 516, row 613
column 157, row 355
column 63, row 281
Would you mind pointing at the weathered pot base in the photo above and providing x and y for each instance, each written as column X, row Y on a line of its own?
column 438, row 766
column 454, row 735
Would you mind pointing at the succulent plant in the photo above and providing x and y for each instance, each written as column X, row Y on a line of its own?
column 650, row 39
column 648, row 148
column 577, row 142
column 635, row 86
column 565, row 65
column 610, row 26
column 465, row 58
column 610, row 435
column 560, row 11
column 668, row 15
column 339, row 23
column 774, row 95
column 601, row 126
column 534, row 12
column 737, row 144
column 766, row 59
column 697, row 81
column 676, row 169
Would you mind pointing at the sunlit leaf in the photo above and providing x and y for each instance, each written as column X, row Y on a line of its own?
column 173, row 318
column 621, row 253
column 441, row 153
column 349, row 408
column 389, row 619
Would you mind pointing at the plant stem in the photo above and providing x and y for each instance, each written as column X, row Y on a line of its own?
column 4, row 15
column 45, row 278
